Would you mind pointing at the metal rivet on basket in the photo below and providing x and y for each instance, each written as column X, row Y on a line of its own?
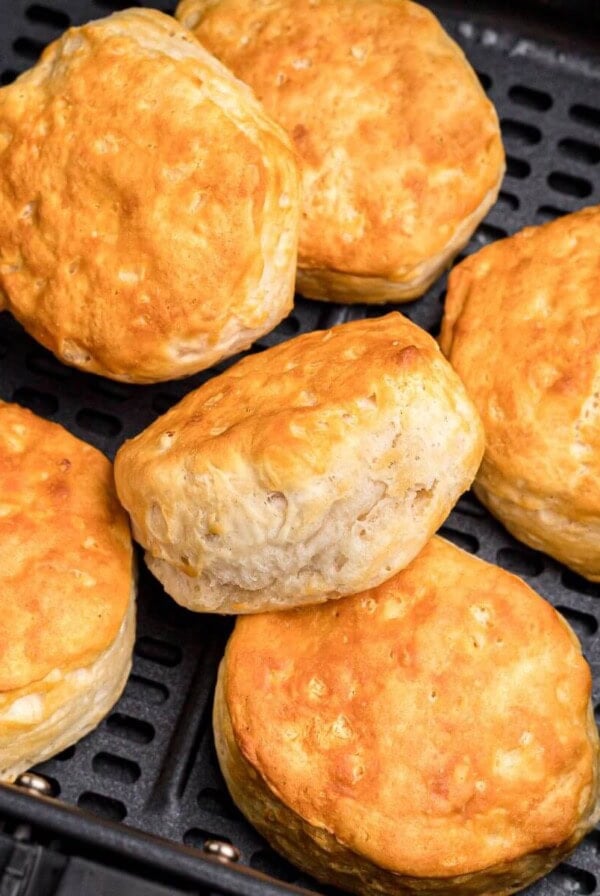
column 34, row 784
column 221, row 850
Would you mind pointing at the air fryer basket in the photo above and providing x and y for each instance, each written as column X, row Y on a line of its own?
column 151, row 765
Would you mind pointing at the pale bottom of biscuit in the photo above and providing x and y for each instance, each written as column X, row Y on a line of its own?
column 321, row 854
column 309, row 573
column 50, row 715
column 178, row 359
column 337, row 286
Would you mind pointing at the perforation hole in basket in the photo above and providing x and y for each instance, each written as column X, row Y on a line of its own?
column 580, row 151
column 44, row 15
column 530, row 97
column 519, row 133
column 583, row 624
column 485, row 80
column 211, row 763
column 105, row 806
column 470, row 506
column 267, row 861
column 42, row 403
column 46, row 365
column 197, row 837
column 145, row 690
column 577, row 583
column 434, row 329
column 487, row 233
column 217, row 802
column 163, row 401
column 587, row 115
column 517, row 168
column 569, row 879
column 66, row 755
column 462, row 540
column 409, row 313
column 290, row 326
column 593, row 840
column 99, row 423
column 7, row 76
column 160, row 652
column 262, row 346
column 129, row 728
column 28, row 48
column 508, row 201
column 546, row 213
column 569, row 185
column 107, row 765
column 521, row 561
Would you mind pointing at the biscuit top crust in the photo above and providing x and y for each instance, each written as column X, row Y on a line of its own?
column 397, row 139
column 140, row 192
column 437, row 724
column 65, row 551
column 522, row 329
column 290, row 413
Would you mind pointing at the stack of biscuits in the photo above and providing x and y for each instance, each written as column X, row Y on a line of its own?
column 392, row 714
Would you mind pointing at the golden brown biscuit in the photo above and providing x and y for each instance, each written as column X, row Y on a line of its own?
column 432, row 735
column 148, row 207
column 314, row 469
column 67, row 602
column 400, row 149
column 522, row 329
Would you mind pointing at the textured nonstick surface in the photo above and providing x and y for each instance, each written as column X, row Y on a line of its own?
column 151, row 763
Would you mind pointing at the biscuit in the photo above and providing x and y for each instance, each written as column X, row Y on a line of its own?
column 314, row 469
column 400, row 149
column 148, row 207
column 522, row 329
column 67, row 619
column 434, row 735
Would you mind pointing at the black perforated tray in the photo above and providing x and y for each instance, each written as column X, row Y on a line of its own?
column 151, row 764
